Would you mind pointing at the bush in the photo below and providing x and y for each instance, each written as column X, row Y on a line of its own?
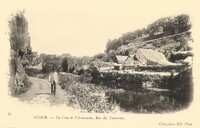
column 91, row 98
column 46, row 69
column 32, row 71
column 88, row 97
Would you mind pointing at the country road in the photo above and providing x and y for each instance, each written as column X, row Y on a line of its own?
column 39, row 93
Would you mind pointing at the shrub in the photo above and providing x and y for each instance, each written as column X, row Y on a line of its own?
column 32, row 71
column 92, row 98
column 89, row 97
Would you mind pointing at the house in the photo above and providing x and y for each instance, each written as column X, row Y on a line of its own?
column 151, row 57
column 120, row 59
column 131, row 60
column 38, row 66
column 54, row 62
column 118, row 66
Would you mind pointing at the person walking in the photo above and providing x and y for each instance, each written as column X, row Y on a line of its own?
column 53, row 79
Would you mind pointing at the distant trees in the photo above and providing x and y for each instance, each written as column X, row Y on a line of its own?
column 68, row 64
column 183, row 23
column 101, row 56
column 46, row 69
column 171, row 25
column 113, row 45
column 161, row 27
column 105, row 57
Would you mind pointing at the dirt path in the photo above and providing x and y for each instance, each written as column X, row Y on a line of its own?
column 39, row 93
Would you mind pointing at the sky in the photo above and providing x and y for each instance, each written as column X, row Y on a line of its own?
column 82, row 27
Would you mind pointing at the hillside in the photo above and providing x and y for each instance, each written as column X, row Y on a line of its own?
column 167, row 33
column 167, row 44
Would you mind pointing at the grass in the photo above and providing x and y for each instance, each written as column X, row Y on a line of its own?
column 88, row 97
column 92, row 98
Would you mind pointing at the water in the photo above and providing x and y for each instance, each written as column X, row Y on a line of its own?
column 133, row 94
column 140, row 100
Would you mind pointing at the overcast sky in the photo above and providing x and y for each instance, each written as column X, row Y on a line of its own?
column 82, row 27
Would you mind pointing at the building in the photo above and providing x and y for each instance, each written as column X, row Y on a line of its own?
column 131, row 60
column 38, row 66
column 118, row 66
column 151, row 57
column 120, row 59
column 54, row 62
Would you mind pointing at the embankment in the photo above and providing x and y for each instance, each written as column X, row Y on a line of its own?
column 19, row 81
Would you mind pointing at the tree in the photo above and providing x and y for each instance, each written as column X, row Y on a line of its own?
column 65, row 65
column 183, row 23
column 108, row 45
column 101, row 56
column 19, row 36
column 162, row 27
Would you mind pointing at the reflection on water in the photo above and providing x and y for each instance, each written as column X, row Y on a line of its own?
column 141, row 100
column 138, row 94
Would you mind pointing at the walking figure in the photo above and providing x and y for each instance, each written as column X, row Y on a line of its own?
column 53, row 79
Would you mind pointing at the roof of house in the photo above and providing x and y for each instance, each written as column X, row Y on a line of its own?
column 121, row 59
column 152, row 55
column 155, row 56
column 130, row 56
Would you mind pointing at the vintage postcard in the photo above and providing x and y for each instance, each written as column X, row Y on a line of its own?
column 99, row 63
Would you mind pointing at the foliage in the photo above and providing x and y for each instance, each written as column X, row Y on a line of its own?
column 46, row 69
column 143, row 101
column 101, row 56
column 19, row 40
column 89, row 97
column 65, row 65
column 32, row 71
column 67, row 62
column 33, row 59
column 19, row 36
column 178, row 56
column 183, row 22
column 92, row 98
column 170, row 25
column 113, row 45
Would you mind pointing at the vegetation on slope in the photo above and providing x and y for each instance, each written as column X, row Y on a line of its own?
column 162, row 27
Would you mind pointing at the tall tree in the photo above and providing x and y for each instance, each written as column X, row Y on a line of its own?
column 65, row 65
column 19, row 35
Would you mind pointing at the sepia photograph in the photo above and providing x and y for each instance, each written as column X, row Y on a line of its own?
column 76, row 62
